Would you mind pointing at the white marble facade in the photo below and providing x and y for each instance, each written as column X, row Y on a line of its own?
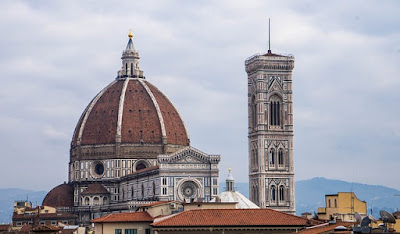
column 270, row 108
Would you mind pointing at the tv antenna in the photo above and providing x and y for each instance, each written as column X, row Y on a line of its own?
column 269, row 35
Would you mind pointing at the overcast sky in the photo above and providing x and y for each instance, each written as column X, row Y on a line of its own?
column 55, row 56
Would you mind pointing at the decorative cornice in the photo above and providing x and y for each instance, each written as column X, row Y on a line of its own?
column 188, row 151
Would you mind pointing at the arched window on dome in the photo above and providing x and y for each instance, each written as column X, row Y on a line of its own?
column 273, row 193
column 131, row 69
column 126, row 69
column 154, row 188
column 280, row 158
column 272, row 157
column 281, row 193
column 142, row 190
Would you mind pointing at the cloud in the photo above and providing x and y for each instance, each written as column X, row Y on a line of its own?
column 56, row 56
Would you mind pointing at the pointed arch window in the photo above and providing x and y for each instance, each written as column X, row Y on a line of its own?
column 280, row 157
column 253, row 112
column 273, row 193
column 281, row 193
column 272, row 157
column 275, row 111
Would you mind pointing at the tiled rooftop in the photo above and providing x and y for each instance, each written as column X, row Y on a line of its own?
column 124, row 217
column 231, row 217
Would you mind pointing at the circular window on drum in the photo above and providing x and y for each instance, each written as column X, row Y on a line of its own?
column 97, row 169
column 189, row 189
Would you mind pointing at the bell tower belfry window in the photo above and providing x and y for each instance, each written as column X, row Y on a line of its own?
column 270, row 115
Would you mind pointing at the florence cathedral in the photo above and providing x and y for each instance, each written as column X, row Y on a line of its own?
column 131, row 146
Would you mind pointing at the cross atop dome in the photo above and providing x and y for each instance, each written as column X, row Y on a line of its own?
column 130, row 61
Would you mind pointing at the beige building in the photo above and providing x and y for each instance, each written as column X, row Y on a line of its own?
column 342, row 206
column 124, row 223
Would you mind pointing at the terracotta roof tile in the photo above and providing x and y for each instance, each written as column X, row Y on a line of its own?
column 95, row 189
column 140, row 120
column 57, row 215
column 4, row 227
column 174, row 126
column 232, row 217
column 124, row 217
column 326, row 227
column 25, row 228
column 60, row 196
column 101, row 125
column 45, row 228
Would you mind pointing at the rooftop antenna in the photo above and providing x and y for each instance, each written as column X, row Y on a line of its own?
column 387, row 218
column 269, row 35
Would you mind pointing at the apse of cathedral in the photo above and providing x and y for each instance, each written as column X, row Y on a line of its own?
column 131, row 146
column 270, row 108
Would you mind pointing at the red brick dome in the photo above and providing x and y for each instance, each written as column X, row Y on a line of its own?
column 60, row 196
column 129, row 112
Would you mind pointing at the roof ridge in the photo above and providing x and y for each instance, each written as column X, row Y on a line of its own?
column 165, row 218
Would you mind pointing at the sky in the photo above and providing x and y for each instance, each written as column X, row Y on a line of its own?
column 55, row 56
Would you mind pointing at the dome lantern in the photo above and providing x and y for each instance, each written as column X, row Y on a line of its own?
column 130, row 61
column 230, row 182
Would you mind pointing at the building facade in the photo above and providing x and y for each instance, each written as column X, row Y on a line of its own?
column 342, row 206
column 131, row 146
column 270, row 112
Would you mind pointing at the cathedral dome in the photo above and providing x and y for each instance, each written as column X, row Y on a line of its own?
column 60, row 196
column 129, row 117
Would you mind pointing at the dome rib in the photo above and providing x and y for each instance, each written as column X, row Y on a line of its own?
column 155, row 103
column 170, row 122
column 121, row 111
column 89, row 110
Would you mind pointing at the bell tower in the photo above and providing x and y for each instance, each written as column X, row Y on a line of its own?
column 270, row 112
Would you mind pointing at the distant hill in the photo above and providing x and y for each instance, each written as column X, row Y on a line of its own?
column 8, row 196
column 310, row 194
